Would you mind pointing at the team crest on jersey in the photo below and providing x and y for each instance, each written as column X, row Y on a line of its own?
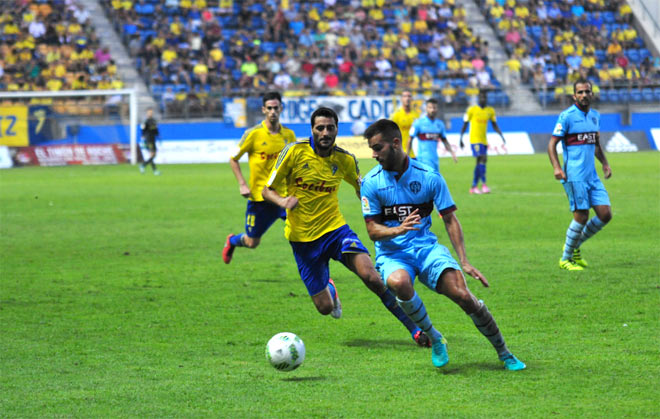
column 334, row 169
column 305, row 166
column 593, row 119
column 415, row 186
column 264, row 143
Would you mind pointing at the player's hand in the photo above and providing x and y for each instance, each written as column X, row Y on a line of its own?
column 453, row 156
column 409, row 223
column 607, row 171
column 475, row 273
column 460, row 143
column 290, row 202
column 559, row 174
column 503, row 140
column 244, row 190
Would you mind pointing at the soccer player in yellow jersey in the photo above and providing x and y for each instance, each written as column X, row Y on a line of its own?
column 478, row 116
column 312, row 171
column 404, row 118
column 262, row 143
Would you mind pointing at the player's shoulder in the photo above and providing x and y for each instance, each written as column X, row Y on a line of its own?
column 287, row 132
column 251, row 131
column 373, row 174
column 343, row 152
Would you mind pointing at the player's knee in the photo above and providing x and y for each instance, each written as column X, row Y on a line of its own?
column 606, row 216
column 324, row 308
column 251, row 243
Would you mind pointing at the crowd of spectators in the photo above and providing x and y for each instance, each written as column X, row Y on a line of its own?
column 198, row 47
column 51, row 45
column 553, row 43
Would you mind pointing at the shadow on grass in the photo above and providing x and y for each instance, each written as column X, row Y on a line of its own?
column 471, row 367
column 374, row 343
column 297, row 379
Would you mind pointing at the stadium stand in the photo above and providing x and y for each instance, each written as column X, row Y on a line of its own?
column 335, row 47
column 50, row 45
column 552, row 43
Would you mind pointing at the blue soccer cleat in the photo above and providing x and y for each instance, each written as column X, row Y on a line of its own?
column 512, row 363
column 439, row 354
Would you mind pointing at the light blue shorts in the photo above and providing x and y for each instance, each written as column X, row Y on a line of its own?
column 584, row 195
column 427, row 263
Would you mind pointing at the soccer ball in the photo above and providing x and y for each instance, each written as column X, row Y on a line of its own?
column 285, row 351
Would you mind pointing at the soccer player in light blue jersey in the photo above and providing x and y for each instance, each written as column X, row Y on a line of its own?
column 398, row 197
column 578, row 130
column 427, row 130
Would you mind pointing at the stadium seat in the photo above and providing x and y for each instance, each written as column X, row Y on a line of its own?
column 656, row 94
column 635, row 95
column 612, row 95
column 624, row 95
column 647, row 94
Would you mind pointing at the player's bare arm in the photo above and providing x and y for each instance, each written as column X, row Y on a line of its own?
column 554, row 158
column 460, row 141
column 600, row 155
column 455, row 233
column 449, row 149
column 498, row 130
column 243, row 187
column 378, row 231
column 288, row 202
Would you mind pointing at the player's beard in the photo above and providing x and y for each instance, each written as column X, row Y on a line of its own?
column 324, row 143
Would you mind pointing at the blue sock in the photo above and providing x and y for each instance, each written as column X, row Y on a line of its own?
column 482, row 173
column 592, row 227
column 415, row 309
column 333, row 290
column 389, row 301
column 237, row 240
column 475, row 179
column 572, row 238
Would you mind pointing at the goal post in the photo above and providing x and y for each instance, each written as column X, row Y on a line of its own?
column 23, row 114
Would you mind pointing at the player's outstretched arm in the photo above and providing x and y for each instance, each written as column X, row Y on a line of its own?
column 378, row 231
column 270, row 195
column 455, row 233
column 243, row 187
column 554, row 158
column 600, row 155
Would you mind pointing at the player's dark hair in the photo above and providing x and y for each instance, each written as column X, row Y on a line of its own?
column 433, row 101
column 271, row 96
column 388, row 129
column 327, row 112
column 582, row 80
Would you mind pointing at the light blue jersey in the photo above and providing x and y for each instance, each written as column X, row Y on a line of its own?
column 579, row 133
column 392, row 199
column 428, row 132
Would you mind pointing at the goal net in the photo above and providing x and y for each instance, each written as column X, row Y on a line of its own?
column 85, row 117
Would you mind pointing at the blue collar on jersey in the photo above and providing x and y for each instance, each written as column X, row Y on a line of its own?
column 311, row 144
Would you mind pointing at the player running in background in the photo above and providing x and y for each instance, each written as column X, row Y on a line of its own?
column 404, row 118
column 263, row 144
column 149, row 133
column 398, row 197
column 312, row 171
column 578, row 129
column 478, row 116
column 428, row 129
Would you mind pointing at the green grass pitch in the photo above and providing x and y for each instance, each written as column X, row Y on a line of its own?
column 114, row 302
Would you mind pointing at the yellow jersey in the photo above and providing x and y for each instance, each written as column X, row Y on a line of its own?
column 478, row 118
column 262, row 148
column 314, row 180
column 405, row 120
